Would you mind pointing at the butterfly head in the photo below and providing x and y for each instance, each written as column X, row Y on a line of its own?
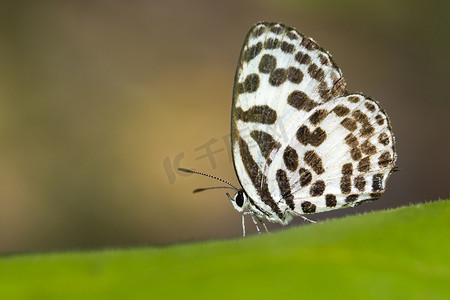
column 240, row 200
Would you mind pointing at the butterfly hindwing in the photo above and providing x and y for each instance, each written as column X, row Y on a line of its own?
column 345, row 151
column 292, row 127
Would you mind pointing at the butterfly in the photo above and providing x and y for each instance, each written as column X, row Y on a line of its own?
column 301, row 143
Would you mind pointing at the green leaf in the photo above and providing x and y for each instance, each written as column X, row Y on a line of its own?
column 395, row 254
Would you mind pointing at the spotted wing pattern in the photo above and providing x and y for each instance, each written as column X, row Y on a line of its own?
column 301, row 143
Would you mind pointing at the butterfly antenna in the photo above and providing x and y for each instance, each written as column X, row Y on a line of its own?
column 211, row 188
column 207, row 175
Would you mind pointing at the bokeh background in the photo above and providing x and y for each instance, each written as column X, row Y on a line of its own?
column 100, row 101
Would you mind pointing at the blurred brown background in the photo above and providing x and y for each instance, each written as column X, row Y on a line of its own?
column 101, row 100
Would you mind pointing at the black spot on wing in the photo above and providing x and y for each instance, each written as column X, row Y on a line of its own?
column 318, row 116
column 366, row 129
column 257, row 114
column 368, row 148
column 251, row 83
column 272, row 43
column 303, row 134
column 351, row 198
column 252, row 52
column 292, row 35
column 317, row 188
column 314, row 161
column 324, row 60
column 287, row 47
column 347, row 169
column 385, row 159
column 349, row 124
column 277, row 77
column 290, row 158
column 383, row 139
column 265, row 142
column 353, row 99
column 377, row 182
column 315, row 72
column 285, row 188
column 309, row 44
column 341, row 110
column 380, row 120
column 351, row 141
column 301, row 101
column 294, row 75
column 308, row 207
column 346, row 184
column 370, row 106
column 330, row 200
column 364, row 165
column 259, row 31
column 315, row 138
column 360, row 183
column 277, row 29
column 267, row 63
column 302, row 58
column 305, row 177
column 355, row 153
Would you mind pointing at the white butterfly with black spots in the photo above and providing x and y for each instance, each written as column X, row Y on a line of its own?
column 301, row 142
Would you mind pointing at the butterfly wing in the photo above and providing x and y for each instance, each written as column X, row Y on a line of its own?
column 346, row 153
column 287, row 89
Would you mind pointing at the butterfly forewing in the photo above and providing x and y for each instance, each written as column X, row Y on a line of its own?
column 301, row 143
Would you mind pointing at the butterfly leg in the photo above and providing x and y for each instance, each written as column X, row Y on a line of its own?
column 254, row 221
column 256, row 224
column 309, row 220
column 262, row 223
column 265, row 227
column 243, row 226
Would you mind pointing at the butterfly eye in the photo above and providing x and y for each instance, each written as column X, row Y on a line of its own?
column 240, row 199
